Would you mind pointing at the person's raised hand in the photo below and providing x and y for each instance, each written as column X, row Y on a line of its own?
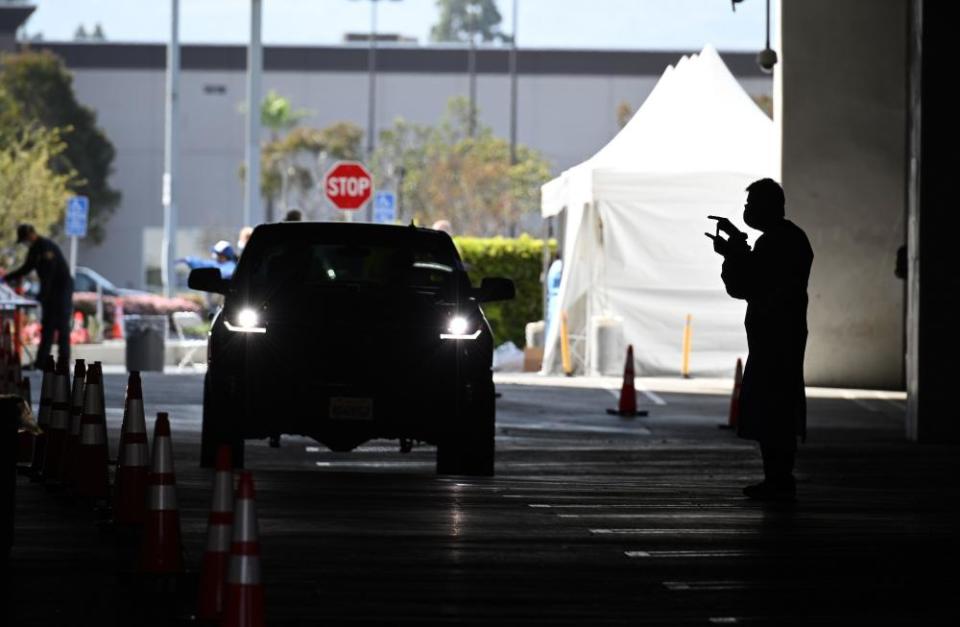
column 720, row 245
column 726, row 226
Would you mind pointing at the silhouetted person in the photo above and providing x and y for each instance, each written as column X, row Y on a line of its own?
column 772, row 278
column 294, row 215
column 56, row 290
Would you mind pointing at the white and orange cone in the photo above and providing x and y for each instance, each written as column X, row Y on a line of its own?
column 628, row 393
column 130, row 486
column 243, row 605
column 116, row 331
column 216, row 559
column 92, row 474
column 59, row 423
column 69, row 466
column 161, row 552
column 735, row 398
column 43, row 417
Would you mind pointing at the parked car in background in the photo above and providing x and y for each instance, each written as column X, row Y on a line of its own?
column 87, row 280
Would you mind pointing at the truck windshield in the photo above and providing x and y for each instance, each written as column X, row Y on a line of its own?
column 331, row 264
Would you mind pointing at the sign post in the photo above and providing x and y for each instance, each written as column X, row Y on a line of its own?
column 348, row 186
column 75, row 225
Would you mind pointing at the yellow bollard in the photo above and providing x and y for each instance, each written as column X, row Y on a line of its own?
column 687, row 338
column 565, row 345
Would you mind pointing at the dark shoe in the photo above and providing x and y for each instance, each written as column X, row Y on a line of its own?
column 766, row 491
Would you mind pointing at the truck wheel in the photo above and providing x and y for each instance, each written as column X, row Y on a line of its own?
column 468, row 448
column 215, row 429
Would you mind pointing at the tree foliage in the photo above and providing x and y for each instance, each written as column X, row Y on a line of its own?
column 459, row 18
column 278, row 114
column 467, row 180
column 291, row 164
column 32, row 191
column 520, row 259
column 291, row 159
column 42, row 89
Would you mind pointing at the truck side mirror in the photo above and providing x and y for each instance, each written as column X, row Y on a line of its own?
column 207, row 280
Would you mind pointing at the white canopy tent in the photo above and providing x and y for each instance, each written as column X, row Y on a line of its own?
column 635, row 257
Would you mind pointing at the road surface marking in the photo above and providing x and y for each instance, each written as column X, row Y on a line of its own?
column 691, row 554
column 632, row 506
column 664, row 532
column 709, row 585
column 653, row 397
column 671, row 515
column 850, row 397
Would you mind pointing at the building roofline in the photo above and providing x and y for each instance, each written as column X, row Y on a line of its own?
column 390, row 59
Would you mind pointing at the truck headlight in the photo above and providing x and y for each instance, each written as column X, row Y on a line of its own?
column 458, row 328
column 246, row 320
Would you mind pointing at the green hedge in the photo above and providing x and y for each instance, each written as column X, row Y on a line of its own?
column 520, row 259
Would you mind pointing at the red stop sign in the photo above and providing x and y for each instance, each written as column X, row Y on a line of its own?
column 348, row 185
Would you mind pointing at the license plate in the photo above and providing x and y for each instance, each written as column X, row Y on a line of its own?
column 351, row 408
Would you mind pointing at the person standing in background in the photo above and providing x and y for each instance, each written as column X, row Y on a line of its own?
column 56, row 291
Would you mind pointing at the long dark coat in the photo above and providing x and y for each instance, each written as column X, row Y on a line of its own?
column 772, row 278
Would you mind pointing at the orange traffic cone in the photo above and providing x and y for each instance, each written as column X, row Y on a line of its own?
column 59, row 423
column 92, row 474
column 243, row 605
column 116, row 331
column 43, row 417
column 735, row 398
column 69, row 467
column 161, row 552
column 216, row 559
column 628, row 393
column 25, row 439
column 130, row 486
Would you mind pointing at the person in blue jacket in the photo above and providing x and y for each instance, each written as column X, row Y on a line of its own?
column 554, row 274
column 222, row 256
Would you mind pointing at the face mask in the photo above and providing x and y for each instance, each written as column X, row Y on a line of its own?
column 752, row 217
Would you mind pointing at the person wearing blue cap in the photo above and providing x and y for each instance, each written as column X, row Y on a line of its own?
column 222, row 256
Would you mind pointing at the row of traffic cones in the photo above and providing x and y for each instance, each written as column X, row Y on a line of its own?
column 71, row 451
column 628, row 394
column 230, row 586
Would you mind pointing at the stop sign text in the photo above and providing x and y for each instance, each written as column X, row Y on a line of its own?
column 348, row 185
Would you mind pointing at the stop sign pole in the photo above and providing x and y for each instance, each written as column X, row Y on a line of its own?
column 348, row 186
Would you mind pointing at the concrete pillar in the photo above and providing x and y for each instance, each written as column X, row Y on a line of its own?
column 934, row 229
column 843, row 126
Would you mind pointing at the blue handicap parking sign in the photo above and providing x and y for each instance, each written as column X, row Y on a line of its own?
column 75, row 220
column 384, row 207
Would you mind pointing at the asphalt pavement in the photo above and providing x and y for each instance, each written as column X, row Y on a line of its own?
column 591, row 519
